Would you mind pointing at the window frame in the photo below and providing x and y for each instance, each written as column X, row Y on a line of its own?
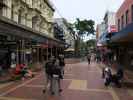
column 127, row 16
column 122, row 21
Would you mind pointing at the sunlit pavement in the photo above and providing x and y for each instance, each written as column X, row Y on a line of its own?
column 81, row 82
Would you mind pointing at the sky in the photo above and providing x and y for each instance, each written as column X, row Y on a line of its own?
column 85, row 9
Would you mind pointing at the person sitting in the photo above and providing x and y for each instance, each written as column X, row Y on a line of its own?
column 21, row 72
column 26, row 73
column 116, row 78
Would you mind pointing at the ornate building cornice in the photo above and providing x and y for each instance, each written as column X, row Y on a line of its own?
column 49, row 4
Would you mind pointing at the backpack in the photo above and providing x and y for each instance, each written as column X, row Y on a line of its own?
column 57, row 69
column 49, row 67
column 61, row 62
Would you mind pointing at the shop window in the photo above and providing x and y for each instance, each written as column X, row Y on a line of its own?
column 127, row 17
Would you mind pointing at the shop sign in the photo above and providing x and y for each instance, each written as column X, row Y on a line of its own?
column 112, row 28
column 44, row 46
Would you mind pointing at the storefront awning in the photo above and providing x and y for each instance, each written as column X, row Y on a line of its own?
column 104, row 39
column 125, row 35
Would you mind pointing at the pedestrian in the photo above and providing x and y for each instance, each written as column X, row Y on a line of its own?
column 88, row 58
column 98, row 58
column 48, row 72
column 61, row 63
column 56, row 71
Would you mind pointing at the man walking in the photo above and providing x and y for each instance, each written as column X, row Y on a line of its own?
column 88, row 58
column 48, row 72
column 61, row 63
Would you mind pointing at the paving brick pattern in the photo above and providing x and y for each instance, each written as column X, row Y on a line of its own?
column 81, row 82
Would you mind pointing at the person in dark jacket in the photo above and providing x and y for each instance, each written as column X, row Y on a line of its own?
column 88, row 58
column 48, row 71
column 61, row 63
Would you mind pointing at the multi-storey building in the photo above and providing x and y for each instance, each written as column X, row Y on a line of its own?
column 26, row 31
column 66, row 34
column 58, row 32
column 35, row 14
column 122, row 41
column 100, row 30
column 110, row 22
column 124, row 15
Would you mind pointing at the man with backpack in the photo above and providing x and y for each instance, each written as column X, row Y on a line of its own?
column 48, row 68
column 88, row 58
column 52, row 68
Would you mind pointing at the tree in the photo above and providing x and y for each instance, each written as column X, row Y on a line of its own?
column 91, row 43
column 81, row 28
column 84, row 27
column 78, row 30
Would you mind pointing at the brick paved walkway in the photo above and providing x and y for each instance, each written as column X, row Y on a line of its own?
column 81, row 82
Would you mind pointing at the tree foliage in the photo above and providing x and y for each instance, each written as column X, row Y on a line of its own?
column 78, row 29
column 91, row 43
column 84, row 27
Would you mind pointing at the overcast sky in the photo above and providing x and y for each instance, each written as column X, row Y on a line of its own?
column 90, row 9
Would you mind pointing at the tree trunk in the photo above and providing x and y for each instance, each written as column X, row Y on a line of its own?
column 77, row 47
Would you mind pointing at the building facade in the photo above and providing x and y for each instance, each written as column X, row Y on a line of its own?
column 106, row 28
column 67, row 37
column 122, row 41
column 124, row 14
column 100, row 30
column 35, row 14
column 58, row 32
column 26, row 31
column 110, row 22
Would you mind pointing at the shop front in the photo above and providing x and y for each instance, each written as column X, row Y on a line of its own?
column 22, row 45
column 121, row 43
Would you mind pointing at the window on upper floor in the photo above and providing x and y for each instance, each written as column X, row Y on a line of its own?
column 132, row 12
column 2, row 7
column 20, row 16
column 118, row 24
column 1, row 11
column 12, row 12
column 122, row 21
column 32, row 3
column 127, row 12
column 34, row 22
